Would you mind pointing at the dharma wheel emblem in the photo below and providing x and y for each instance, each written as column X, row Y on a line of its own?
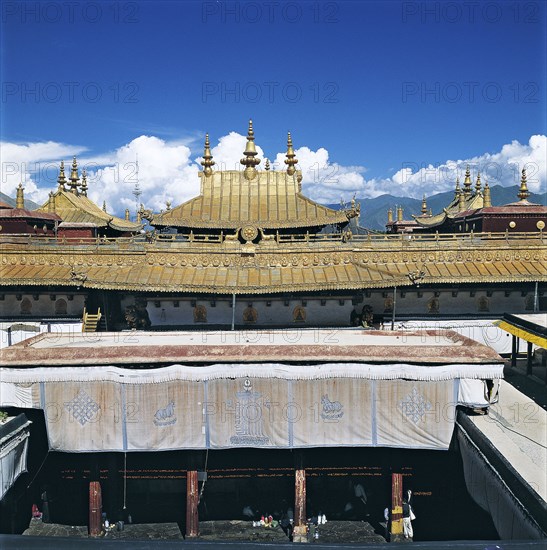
column 249, row 233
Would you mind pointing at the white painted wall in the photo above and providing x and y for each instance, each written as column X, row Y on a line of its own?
column 462, row 303
column 331, row 314
column 43, row 307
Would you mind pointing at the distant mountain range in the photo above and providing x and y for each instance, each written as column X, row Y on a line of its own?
column 29, row 205
column 374, row 211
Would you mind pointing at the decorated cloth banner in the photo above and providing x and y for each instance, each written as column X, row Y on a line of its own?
column 263, row 406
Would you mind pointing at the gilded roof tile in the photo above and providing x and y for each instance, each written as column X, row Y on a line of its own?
column 271, row 200
column 79, row 209
column 293, row 267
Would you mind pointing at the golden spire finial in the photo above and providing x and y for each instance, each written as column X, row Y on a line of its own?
column 83, row 187
column 74, row 177
column 457, row 190
column 424, row 206
column 291, row 159
column 249, row 160
column 390, row 216
column 51, row 203
column 487, row 198
column 267, row 164
column 104, row 206
column 467, row 182
column 523, row 191
column 399, row 213
column 478, row 184
column 20, row 197
column 61, row 180
column 207, row 161
column 127, row 214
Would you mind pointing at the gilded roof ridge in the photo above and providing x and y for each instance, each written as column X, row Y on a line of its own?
column 229, row 200
column 88, row 209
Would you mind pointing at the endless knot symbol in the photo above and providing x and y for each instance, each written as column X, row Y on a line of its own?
column 82, row 407
column 414, row 406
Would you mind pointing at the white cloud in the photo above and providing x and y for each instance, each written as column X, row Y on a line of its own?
column 501, row 168
column 31, row 163
column 169, row 171
column 323, row 180
column 165, row 173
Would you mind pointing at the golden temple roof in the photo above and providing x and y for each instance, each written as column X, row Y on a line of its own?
column 463, row 201
column 271, row 200
column 265, row 199
column 79, row 209
column 73, row 206
column 275, row 268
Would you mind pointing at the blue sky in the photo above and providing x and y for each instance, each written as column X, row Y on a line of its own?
column 378, row 85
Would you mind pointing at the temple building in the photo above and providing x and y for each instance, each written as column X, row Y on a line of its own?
column 21, row 221
column 253, row 250
column 472, row 211
column 400, row 225
column 189, row 417
column 253, row 205
column 80, row 216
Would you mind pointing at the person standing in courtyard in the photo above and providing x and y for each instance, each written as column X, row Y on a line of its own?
column 408, row 516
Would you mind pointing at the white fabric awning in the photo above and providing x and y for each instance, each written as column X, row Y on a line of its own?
column 255, row 370
column 248, row 405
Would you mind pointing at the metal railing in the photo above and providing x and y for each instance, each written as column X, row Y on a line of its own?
column 176, row 242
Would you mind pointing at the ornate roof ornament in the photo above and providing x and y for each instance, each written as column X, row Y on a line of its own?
column 267, row 164
column 291, row 159
column 51, row 203
column 249, row 160
column 478, row 184
column 523, row 190
column 424, row 206
column 104, row 206
column 399, row 213
column 83, row 187
column 74, row 178
column 207, row 161
column 458, row 189
column 390, row 216
column 467, row 182
column 487, row 198
column 20, row 197
column 61, row 180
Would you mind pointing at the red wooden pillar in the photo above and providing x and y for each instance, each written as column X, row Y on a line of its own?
column 95, row 509
column 396, row 507
column 192, row 501
column 300, row 523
